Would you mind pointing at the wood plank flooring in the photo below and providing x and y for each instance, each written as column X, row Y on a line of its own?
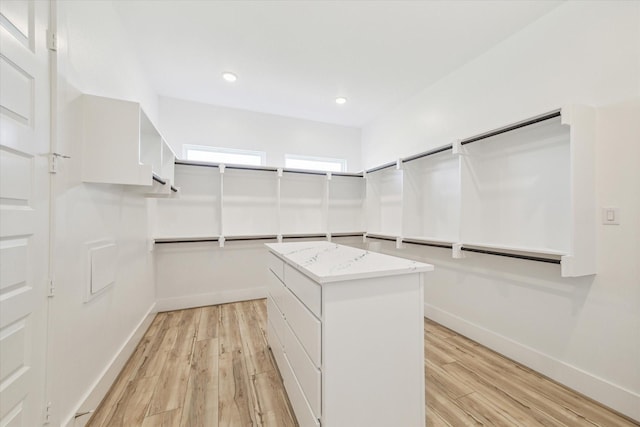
column 211, row 366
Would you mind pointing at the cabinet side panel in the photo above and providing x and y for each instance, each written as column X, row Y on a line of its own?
column 373, row 352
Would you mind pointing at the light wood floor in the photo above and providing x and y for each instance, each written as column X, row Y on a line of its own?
column 211, row 366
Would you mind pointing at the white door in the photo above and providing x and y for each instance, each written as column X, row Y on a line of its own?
column 24, row 212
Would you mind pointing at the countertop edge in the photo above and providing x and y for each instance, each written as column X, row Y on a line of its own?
column 354, row 276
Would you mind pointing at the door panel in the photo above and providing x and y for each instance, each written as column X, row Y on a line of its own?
column 24, row 210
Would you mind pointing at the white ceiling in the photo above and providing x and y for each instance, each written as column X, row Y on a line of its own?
column 293, row 58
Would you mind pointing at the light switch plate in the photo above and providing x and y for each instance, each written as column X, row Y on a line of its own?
column 611, row 216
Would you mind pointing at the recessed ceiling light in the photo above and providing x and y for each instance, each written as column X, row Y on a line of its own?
column 341, row 100
column 230, row 77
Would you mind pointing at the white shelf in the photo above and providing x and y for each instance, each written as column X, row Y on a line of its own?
column 120, row 145
column 515, row 249
column 427, row 241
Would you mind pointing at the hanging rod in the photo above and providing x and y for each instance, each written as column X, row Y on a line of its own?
column 156, row 178
column 422, row 243
column 192, row 163
column 514, row 126
column 252, row 168
column 379, row 168
column 390, row 239
column 510, row 255
column 241, row 238
column 303, row 236
column 353, row 175
column 354, row 234
column 187, row 240
column 428, row 153
column 264, row 168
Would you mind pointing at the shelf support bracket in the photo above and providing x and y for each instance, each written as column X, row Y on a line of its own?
column 456, row 147
column 456, row 249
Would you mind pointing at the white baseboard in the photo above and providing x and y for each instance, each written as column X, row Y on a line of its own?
column 213, row 298
column 92, row 398
column 615, row 397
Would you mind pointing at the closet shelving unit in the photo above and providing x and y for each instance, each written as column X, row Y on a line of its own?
column 516, row 190
column 116, row 132
column 384, row 194
column 196, row 214
column 431, row 199
column 246, row 203
column 526, row 190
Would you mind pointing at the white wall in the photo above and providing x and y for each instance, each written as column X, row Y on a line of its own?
column 584, row 331
column 94, row 56
column 186, row 122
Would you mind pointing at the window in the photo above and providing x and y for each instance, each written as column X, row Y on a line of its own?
column 315, row 163
column 203, row 153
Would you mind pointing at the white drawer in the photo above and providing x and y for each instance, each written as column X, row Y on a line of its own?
column 275, row 289
column 308, row 291
column 296, row 397
column 306, row 373
column 304, row 324
column 276, row 265
column 276, row 319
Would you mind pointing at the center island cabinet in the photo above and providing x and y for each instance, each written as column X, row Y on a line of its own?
column 346, row 328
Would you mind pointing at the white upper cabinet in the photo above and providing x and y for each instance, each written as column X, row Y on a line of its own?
column 120, row 145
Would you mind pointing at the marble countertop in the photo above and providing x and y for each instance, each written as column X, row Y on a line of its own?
column 326, row 262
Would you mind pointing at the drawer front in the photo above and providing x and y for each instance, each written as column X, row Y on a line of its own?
column 296, row 397
column 308, row 291
column 276, row 265
column 306, row 373
column 276, row 319
column 276, row 289
column 304, row 324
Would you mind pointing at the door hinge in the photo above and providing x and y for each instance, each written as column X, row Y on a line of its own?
column 52, row 289
column 47, row 413
column 52, row 41
column 53, row 161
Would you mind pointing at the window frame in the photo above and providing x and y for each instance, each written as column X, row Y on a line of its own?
column 224, row 150
column 341, row 162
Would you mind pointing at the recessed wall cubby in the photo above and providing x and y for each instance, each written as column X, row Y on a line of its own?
column 525, row 191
